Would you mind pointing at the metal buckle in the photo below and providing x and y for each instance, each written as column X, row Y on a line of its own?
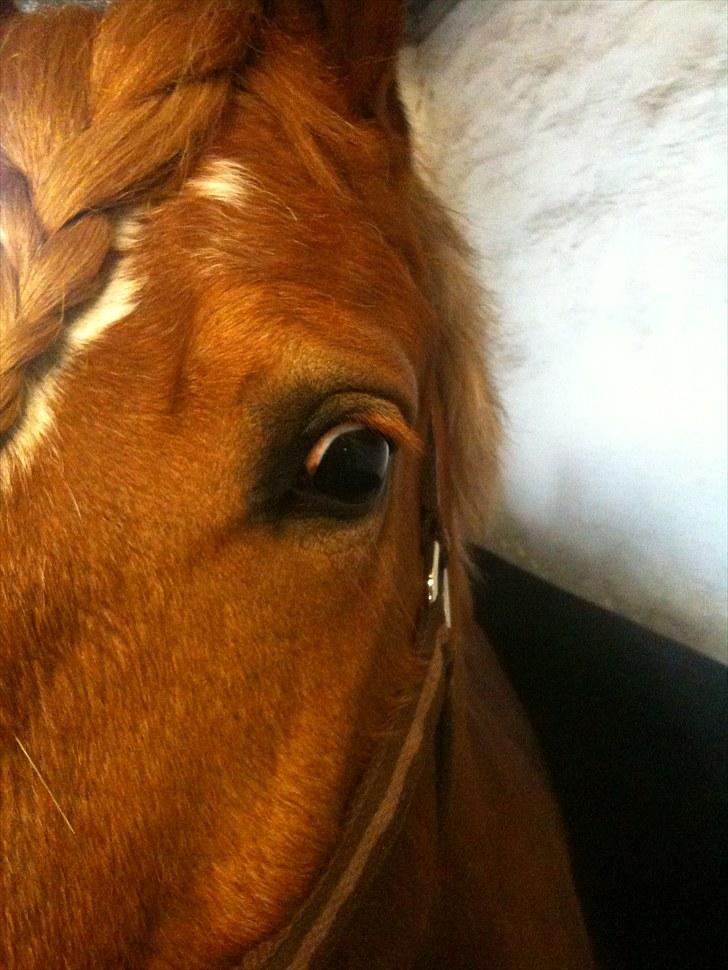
column 438, row 584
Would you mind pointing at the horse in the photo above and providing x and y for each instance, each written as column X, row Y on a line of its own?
column 247, row 431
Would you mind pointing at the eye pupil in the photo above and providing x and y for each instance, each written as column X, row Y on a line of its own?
column 354, row 466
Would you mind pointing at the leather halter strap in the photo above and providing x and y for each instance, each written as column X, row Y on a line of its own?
column 383, row 797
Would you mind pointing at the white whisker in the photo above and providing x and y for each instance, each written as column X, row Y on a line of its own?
column 43, row 782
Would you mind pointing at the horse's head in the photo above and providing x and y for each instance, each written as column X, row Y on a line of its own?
column 235, row 333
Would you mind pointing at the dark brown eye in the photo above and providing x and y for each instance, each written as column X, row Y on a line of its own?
column 349, row 464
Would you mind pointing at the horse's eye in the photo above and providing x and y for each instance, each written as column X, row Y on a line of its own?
column 349, row 464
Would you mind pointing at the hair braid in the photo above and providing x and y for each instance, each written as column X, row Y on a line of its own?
column 95, row 111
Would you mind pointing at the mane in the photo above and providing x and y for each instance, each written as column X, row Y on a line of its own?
column 125, row 120
column 86, row 133
column 471, row 409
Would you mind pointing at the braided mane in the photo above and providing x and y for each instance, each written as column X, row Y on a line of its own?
column 82, row 136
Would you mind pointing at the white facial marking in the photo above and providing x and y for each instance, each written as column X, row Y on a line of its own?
column 116, row 301
column 223, row 181
column 37, row 420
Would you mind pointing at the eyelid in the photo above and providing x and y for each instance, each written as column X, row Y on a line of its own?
column 320, row 448
column 391, row 426
column 379, row 414
column 393, row 429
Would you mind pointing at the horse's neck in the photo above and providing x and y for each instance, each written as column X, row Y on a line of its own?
column 479, row 877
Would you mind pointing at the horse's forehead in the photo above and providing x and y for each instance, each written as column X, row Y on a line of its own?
column 281, row 269
column 266, row 213
column 260, row 242
column 295, row 262
column 224, row 180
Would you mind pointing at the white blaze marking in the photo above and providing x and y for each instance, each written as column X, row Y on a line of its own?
column 224, row 181
column 37, row 419
column 116, row 301
column 221, row 180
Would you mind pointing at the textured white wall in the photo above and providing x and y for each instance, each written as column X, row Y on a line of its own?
column 585, row 143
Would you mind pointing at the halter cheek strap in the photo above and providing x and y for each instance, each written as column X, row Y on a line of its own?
column 385, row 793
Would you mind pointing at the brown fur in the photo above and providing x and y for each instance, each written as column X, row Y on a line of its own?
column 200, row 684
